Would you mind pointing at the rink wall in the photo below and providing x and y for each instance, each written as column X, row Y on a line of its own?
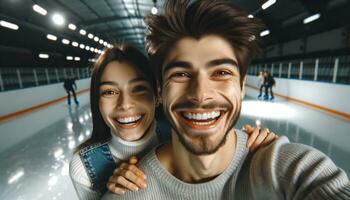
column 17, row 100
column 326, row 96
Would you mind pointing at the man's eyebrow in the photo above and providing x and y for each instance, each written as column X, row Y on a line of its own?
column 223, row 61
column 107, row 83
column 173, row 64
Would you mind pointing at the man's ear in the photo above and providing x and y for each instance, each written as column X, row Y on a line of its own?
column 243, row 87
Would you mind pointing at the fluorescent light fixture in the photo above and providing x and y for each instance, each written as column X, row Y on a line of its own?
column 72, row 27
column 90, row 36
column 312, row 18
column 154, row 10
column 75, row 44
column 264, row 33
column 268, row 4
column 44, row 56
column 96, row 39
column 51, row 37
column 101, row 41
column 105, row 43
column 76, row 58
column 39, row 9
column 82, row 46
column 69, row 57
column 82, row 32
column 251, row 16
column 8, row 25
column 58, row 19
column 87, row 48
column 65, row 41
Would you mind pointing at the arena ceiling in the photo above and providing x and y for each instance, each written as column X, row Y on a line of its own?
column 123, row 20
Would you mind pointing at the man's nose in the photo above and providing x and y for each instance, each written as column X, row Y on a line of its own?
column 200, row 89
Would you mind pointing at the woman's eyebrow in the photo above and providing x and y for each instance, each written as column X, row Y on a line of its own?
column 107, row 83
column 138, row 80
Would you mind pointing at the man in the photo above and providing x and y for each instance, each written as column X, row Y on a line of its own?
column 202, row 52
column 68, row 84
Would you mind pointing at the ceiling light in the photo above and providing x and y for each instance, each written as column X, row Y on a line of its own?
column 69, row 57
column 264, row 33
column 105, row 43
column 92, row 49
column 51, row 37
column 44, row 56
column 312, row 18
column 8, row 25
column 75, row 44
column 76, row 58
column 82, row 32
column 154, row 10
column 82, row 46
column 58, row 19
column 72, row 26
column 101, row 41
column 65, row 41
column 87, row 48
column 251, row 16
column 39, row 9
column 90, row 36
column 268, row 4
column 96, row 39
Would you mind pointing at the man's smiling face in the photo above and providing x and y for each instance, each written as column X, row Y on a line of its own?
column 201, row 92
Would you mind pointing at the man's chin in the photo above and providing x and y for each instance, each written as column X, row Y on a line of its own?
column 202, row 145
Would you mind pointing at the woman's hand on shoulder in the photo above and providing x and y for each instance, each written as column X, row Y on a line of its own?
column 127, row 177
column 258, row 137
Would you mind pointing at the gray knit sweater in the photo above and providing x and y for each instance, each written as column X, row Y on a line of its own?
column 280, row 170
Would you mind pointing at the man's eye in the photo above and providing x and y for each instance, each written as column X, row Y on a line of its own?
column 180, row 75
column 222, row 73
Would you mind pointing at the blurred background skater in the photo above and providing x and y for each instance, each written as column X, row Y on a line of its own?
column 69, row 85
column 261, row 82
column 269, row 82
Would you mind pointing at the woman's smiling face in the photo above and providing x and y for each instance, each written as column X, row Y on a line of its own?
column 127, row 101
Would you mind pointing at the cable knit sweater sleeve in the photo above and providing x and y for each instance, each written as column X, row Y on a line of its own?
column 296, row 171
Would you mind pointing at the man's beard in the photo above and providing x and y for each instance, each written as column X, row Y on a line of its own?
column 203, row 145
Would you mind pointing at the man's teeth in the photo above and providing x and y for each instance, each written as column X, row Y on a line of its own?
column 129, row 119
column 202, row 116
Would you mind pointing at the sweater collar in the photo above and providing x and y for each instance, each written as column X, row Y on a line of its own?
column 123, row 149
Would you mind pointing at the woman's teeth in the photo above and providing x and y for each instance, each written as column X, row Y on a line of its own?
column 201, row 116
column 127, row 120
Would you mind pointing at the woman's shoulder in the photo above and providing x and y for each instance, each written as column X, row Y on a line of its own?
column 77, row 170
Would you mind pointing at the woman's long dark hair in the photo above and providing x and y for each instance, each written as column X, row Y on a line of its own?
column 121, row 53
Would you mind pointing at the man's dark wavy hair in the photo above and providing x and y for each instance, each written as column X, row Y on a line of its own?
column 203, row 17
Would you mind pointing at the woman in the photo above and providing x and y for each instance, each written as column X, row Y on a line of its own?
column 123, row 103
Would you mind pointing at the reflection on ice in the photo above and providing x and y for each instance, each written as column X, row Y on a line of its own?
column 263, row 109
column 19, row 173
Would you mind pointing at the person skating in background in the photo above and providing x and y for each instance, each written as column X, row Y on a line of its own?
column 261, row 82
column 269, row 82
column 69, row 85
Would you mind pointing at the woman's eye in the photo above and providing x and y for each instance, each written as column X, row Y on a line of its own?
column 140, row 89
column 109, row 93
